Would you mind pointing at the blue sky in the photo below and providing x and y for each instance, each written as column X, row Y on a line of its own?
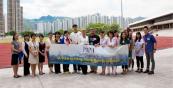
column 75, row 8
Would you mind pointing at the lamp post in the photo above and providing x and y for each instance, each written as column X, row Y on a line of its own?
column 122, row 17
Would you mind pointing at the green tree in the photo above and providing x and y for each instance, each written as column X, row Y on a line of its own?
column 115, row 27
column 103, row 27
column 10, row 33
column 26, row 33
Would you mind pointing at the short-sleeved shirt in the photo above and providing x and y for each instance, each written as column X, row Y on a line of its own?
column 113, row 42
column 75, row 37
column 16, row 46
column 149, row 43
column 138, row 50
column 103, row 41
column 94, row 40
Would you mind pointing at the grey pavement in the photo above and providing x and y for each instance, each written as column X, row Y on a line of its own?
column 163, row 77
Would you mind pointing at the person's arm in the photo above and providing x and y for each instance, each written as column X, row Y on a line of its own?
column 155, row 43
column 23, row 49
column 30, row 50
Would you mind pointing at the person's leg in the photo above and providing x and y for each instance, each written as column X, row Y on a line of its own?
column 95, row 69
column 141, row 63
column 133, row 63
column 15, row 70
column 114, row 68
column 137, row 62
column 148, row 62
column 79, row 67
column 109, row 71
column 126, row 69
column 123, row 69
column 42, row 68
column 57, row 68
column 32, row 69
column 92, row 69
column 25, row 67
column 84, row 69
column 153, row 63
column 64, row 67
column 75, row 68
column 39, row 68
column 51, row 68
column 103, row 70
column 67, row 67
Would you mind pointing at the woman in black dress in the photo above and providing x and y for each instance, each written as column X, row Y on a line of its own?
column 42, row 47
column 16, row 49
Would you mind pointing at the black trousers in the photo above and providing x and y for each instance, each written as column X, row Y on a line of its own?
column 26, row 66
column 140, row 62
column 124, row 67
column 57, row 68
column 76, row 67
column 66, row 67
column 84, row 69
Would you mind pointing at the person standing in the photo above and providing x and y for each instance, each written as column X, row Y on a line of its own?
column 139, row 52
column 103, row 43
column 83, row 40
column 124, row 41
column 94, row 40
column 66, row 40
column 33, row 54
column 112, row 43
column 49, row 42
column 131, row 48
column 26, row 54
column 75, row 37
column 150, row 49
column 42, row 47
column 58, row 40
column 15, row 57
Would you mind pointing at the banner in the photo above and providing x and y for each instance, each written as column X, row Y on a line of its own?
column 88, row 55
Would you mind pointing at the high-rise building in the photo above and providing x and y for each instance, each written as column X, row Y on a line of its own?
column 14, row 16
column 21, row 28
column 2, row 27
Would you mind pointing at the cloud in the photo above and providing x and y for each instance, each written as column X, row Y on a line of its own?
column 75, row 8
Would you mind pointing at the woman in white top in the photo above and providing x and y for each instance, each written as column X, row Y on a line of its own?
column 33, row 54
column 112, row 43
column 139, row 52
column 103, row 43
column 49, row 42
column 25, row 47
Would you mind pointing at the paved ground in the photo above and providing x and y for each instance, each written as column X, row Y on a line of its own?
column 162, row 79
column 5, row 50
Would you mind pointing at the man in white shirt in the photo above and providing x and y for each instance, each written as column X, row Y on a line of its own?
column 75, row 37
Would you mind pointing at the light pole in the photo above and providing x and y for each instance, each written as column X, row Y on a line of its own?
column 122, row 17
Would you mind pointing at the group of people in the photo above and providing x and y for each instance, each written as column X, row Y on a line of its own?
column 35, row 53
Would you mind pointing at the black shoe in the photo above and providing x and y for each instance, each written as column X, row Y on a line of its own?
column 141, row 71
column 147, row 71
column 137, row 70
column 151, row 72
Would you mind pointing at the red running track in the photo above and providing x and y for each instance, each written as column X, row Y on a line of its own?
column 5, row 50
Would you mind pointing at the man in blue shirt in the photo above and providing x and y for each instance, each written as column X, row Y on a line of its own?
column 150, row 49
